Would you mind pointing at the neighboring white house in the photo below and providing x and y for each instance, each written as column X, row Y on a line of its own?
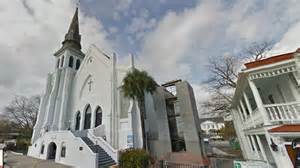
column 84, row 120
column 209, row 125
column 266, row 110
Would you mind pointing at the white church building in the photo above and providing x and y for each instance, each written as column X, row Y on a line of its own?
column 266, row 110
column 84, row 120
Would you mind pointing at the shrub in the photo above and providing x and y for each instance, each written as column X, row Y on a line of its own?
column 134, row 158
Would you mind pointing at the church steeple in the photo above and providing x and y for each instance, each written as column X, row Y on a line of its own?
column 72, row 38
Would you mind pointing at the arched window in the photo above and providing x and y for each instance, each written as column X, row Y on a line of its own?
column 77, row 64
column 63, row 150
column 62, row 61
column 57, row 63
column 98, row 116
column 42, row 149
column 77, row 122
column 71, row 60
column 87, row 117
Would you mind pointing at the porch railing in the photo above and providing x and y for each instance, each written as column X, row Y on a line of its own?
column 283, row 111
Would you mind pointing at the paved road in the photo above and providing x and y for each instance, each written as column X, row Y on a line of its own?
column 21, row 161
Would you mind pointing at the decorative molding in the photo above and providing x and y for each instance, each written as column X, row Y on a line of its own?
column 273, row 72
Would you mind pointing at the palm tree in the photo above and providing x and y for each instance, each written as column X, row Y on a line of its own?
column 135, row 84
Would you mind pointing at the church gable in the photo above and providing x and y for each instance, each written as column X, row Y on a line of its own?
column 92, row 54
column 92, row 84
column 94, row 72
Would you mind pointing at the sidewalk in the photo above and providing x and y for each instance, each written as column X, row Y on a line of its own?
column 22, row 161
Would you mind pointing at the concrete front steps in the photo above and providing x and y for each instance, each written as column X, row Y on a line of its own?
column 104, row 160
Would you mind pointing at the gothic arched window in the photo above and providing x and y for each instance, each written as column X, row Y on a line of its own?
column 71, row 60
column 77, row 64
column 57, row 63
column 87, row 117
column 62, row 61
column 77, row 122
column 98, row 116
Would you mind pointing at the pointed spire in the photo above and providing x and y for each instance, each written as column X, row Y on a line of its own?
column 72, row 38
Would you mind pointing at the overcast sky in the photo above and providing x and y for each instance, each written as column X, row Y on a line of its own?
column 170, row 38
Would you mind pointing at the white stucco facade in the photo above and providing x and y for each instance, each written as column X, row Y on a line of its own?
column 83, row 99
column 266, row 110
column 84, row 119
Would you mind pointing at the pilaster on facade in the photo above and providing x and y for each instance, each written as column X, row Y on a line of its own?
column 82, row 117
column 93, row 118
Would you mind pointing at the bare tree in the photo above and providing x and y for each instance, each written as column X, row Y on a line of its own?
column 257, row 51
column 22, row 111
column 224, row 73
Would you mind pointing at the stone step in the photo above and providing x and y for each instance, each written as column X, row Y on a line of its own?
column 104, row 159
column 100, row 157
column 107, row 163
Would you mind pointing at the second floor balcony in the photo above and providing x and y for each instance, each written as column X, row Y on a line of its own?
column 283, row 112
column 268, row 99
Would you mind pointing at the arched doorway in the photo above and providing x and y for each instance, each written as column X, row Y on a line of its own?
column 98, row 116
column 51, row 151
column 87, row 117
column 77, row 120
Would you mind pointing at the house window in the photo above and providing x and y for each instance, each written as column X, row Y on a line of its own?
column 42, row 149
column 77, row 64
column 63, row 151
column 71, row 60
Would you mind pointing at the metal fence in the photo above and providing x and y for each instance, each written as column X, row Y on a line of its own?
column 168, row 164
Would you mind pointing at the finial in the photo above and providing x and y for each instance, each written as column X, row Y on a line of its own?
column 132, row 60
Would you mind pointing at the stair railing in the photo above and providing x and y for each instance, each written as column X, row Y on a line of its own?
column 113, row 153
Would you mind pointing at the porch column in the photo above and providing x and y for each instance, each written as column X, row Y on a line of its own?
column 254, row 145
column 259, row 103
column 243, row 109
column 262, row 148
column 240, row 113
column 247, row 103
column 248, row 106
